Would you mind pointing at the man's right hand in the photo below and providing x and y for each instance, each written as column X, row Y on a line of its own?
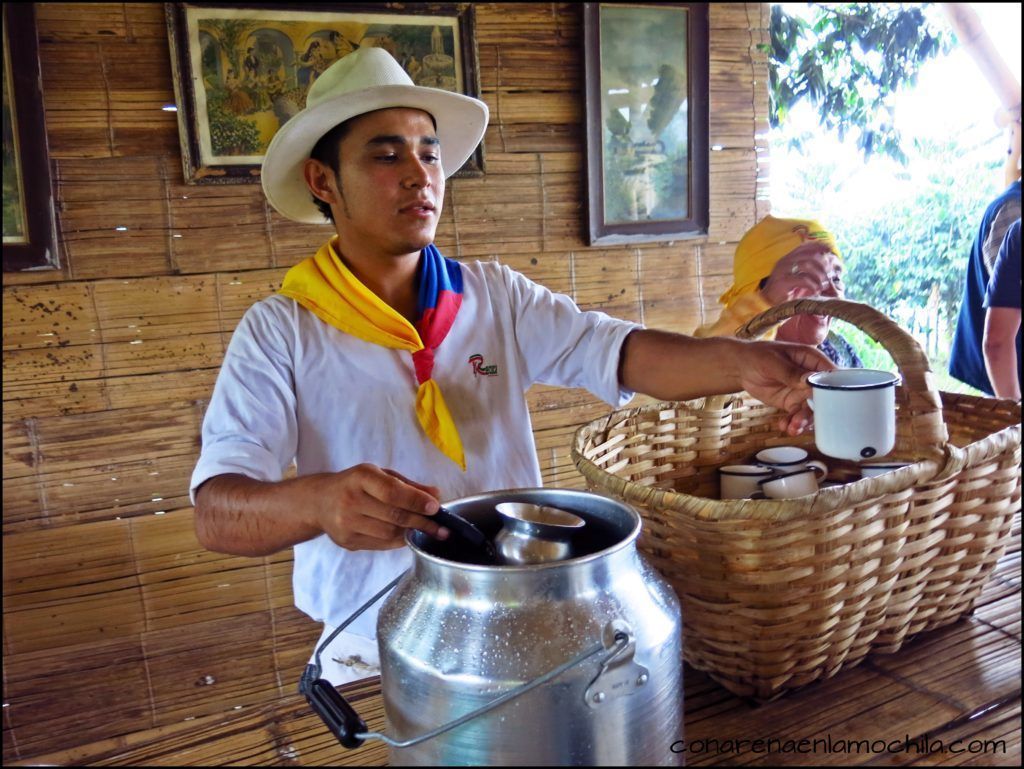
column 362, row 508
column 370, row 508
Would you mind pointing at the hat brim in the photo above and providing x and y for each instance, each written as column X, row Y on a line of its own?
column 461, row 123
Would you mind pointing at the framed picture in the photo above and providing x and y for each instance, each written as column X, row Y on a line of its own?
column 30, row 219
column 241, row 71
column 646, row 82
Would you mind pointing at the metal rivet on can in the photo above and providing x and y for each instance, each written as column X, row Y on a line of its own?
column 641, row 680
column 599, row 697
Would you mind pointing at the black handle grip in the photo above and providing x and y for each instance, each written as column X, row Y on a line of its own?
column 340, row 717
column 460, row 526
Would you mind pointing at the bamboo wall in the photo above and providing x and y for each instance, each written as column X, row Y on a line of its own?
column 114, row 619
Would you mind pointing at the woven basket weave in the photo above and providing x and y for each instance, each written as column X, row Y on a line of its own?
column 779, row 593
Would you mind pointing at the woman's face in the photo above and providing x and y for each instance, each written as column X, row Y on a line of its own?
column 820, row 274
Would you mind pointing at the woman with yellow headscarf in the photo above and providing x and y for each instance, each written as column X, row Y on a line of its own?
column 778, row 260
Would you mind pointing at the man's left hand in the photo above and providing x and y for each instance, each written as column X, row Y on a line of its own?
column 776, row 374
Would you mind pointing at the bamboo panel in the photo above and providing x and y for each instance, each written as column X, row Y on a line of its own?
column 517, row 24
column 163, row 388
column 200, row 240
column 74, row 588
column 63, row 22
column 609, row 285
column 554, row 271
column 746, row 18
column 730, row 218
column 97, row 253
column 127, row 72
column 82, row 361
column 295, row 639
column 501, row 164
column 554, row 68
column 536, row 137
column 239, row 291
column 671, row 288
column 156, row 308
column 968, row 658
column 291, row 242
column 72, row 76
column 107, row 492
column 579, row 408
column 23, row 504
column 184, row 583
column 145, row 21
column 75, row 99
column 45, row 399
column 102, row 443
column 213, row 667
column 106, row 180
column 57, row 698
column 279, row 581
column 55, row 315
column 544, row 398
column 21, row 451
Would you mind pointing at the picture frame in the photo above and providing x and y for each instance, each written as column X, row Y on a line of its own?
column 241, row 70
column 647, row 100
column 30, row 216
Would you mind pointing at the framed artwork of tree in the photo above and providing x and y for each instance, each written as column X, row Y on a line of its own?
column 646, row 82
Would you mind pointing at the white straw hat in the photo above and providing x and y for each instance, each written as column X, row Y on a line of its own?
column 367, row 79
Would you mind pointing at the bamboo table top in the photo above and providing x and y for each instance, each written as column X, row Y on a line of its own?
column 950, row 696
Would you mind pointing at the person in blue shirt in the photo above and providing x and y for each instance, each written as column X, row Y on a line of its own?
column 966, row 359
column 1002, row 320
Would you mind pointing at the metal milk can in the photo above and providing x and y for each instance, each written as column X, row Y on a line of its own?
column 576, row 661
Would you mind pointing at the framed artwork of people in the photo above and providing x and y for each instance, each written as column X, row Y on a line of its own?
column 240, row 72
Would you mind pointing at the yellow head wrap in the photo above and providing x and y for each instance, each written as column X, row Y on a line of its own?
column 764, row 245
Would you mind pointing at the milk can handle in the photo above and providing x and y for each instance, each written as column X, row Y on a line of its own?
column 351, row 731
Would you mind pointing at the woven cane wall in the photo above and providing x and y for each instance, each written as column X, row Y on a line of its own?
column 114, row 619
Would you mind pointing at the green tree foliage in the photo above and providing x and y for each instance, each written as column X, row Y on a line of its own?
column 905, row 246
column 848, row 60
column 230, row 135
column 231, row 33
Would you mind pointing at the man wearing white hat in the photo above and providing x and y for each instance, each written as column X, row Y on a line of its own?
column 393, row 377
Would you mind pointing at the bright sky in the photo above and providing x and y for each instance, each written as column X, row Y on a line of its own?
column 952, row 97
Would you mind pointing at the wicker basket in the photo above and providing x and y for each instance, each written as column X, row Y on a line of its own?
column 779, row 593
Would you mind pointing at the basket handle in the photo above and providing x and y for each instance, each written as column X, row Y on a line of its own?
column 923, row 401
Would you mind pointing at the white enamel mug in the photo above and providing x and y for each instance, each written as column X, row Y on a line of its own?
column 783, row 459
column 795, row 483
column 854, row 412
column 740, row 481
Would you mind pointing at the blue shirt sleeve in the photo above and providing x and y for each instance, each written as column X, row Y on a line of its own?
column 1004, row 287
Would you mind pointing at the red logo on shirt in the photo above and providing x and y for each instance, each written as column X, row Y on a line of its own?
column 479, row 369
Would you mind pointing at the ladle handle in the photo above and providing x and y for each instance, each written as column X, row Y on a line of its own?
column 460, row 526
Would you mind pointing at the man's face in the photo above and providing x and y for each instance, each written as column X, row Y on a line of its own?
column 391, row 182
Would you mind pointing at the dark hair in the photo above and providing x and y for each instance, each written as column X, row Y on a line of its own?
column 328, row 152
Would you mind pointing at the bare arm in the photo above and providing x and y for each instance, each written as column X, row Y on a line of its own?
column 362, row 508
column 677, row 367
column 1000, row 349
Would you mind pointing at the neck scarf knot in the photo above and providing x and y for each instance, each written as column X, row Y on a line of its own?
column 325, row 286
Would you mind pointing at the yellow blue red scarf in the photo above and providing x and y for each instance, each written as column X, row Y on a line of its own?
column 325, row 286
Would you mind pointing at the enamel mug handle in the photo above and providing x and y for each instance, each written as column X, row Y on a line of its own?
column 820, row 468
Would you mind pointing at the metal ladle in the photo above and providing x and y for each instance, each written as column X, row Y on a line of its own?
column 535, row 533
